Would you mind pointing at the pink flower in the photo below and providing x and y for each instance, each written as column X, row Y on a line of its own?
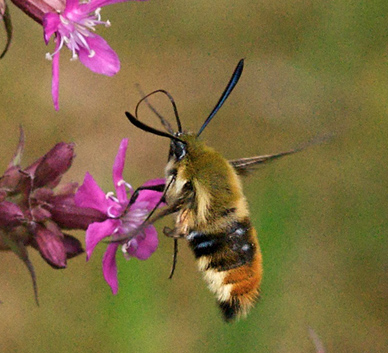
column 74, row 27
column 121, row 219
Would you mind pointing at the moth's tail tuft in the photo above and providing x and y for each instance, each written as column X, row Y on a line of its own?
column 230, row 310
column 243, row 285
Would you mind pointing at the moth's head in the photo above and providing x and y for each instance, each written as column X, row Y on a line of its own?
column 178, row 148
column 188, row 144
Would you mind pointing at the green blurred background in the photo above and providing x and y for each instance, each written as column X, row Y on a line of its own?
column 312, row 68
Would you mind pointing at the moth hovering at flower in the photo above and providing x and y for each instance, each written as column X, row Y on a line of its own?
column 204, row 190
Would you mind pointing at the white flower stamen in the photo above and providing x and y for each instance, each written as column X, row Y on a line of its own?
column 64, row 20
column 110, row 213
column 75, row 33
column 50, row 56
column 109, row 194
column 123, row 182
column 97, row 13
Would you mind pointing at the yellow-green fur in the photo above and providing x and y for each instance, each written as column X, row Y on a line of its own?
column 216, row 184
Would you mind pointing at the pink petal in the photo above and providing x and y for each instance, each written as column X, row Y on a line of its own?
column 90, row 195
column 118, row 167
column 150, row 196
column 51, row 22
column 55, row 79
column 98, row 231
column 153, row 182
column 146, row 246
column 71, row 5
column 109, row 267
column 132, row 247
column 104, row 61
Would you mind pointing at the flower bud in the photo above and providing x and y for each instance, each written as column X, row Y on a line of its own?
column 10, row 215
column 11, row 179
column 49, row 242
column 53, row 165
column 35, row 209
column 67, row 215
column 73, row 246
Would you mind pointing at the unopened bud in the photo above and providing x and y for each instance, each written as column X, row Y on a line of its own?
column 49, row 242
column 53, row 165
column 10, row 214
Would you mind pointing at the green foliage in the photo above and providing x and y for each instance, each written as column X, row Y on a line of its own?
column 311, row 68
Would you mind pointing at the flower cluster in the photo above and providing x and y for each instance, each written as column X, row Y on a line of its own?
column 122, row 218
column 35, row 210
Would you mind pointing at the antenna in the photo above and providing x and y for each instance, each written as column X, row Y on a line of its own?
column 229, row 88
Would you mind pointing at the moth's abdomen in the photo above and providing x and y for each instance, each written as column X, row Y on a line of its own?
column 232, row 266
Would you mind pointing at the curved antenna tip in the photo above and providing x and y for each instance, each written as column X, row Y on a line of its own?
column 228, row 90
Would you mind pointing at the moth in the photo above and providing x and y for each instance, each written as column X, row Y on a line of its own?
column 204, row 191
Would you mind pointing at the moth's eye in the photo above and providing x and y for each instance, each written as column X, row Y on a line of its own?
column 178, row 149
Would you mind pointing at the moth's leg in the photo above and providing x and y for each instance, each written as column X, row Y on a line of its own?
column 173, row 233
column 174, row 259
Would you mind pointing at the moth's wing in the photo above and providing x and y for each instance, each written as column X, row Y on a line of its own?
column 245, row 165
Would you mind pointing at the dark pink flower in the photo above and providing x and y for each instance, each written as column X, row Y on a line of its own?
column 74, row 27
column 35, row 209
column 121, row 219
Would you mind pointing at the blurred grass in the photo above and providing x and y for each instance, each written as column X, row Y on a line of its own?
column 311, row 68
